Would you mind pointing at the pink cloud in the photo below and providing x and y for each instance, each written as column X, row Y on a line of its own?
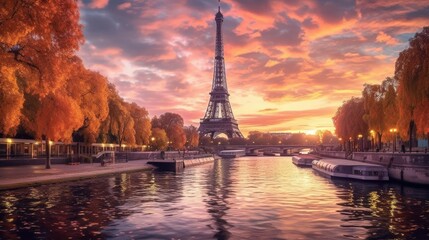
column 160, row 53
column 98, row 3
column 124, row 6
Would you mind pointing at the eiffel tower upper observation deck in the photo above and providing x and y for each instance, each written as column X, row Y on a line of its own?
column 219, row 117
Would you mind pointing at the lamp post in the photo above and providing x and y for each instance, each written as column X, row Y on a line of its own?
column 341, row 143
column 393, row 131
column 8, row 146
column 152, row 139
column 372, row 139
column 360, row 142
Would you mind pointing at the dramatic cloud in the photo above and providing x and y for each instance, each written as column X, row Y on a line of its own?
column 289, row 64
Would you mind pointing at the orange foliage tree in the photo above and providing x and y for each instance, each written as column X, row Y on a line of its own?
column 159, row 139
column 380, row 106
column 348, row 120
column 192, row 136
column 37, row 40
column 12, row 100
column 90, row 91
column 119, row 124
column 142, row 125
column 412, row 72
column 172, row 123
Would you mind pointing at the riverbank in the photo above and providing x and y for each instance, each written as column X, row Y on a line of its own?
column 405, row 167
column 26, row 176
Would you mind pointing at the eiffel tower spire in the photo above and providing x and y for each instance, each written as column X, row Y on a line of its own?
column 219, row 117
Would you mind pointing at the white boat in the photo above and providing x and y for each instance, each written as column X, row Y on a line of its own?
column 407, row 167
column 232, row 153
column 341, row 168
column 304, row 161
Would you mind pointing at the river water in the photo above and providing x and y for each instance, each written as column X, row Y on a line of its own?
column 245, row 198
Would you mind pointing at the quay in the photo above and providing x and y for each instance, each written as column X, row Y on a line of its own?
column 33, row 175
column 12, row 177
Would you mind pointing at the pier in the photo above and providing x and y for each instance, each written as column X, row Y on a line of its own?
column 177, row 165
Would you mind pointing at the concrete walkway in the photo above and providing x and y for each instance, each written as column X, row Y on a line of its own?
column 25, row 176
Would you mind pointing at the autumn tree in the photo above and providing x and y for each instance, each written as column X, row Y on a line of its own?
column 142, row 124
column 205, row 141
column 374, row 111
column 90, row 90
column 192, row 136
column 119, row 124
column 159, row 139
column 412, row 71
column 348, row 120
column 172, row 123
column 11, row 98
column 37, row 41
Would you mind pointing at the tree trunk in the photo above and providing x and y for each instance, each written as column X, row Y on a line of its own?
column 411, row 131
column 379, row 141
column 48, row 154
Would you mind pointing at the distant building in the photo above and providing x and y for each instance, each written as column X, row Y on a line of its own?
column 282, row 135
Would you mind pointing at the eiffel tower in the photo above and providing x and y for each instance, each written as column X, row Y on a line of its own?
column 219, row 117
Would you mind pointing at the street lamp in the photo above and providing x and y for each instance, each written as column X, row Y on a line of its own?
column 360, row 143
column 393, row 131
column 372, row 139
column 8, row 146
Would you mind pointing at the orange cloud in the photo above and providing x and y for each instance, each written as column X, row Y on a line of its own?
column 384, row 38
column 289, row 64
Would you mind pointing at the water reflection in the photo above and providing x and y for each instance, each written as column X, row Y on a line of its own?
column 218, row 191
column 247, row 198
column 387, row 210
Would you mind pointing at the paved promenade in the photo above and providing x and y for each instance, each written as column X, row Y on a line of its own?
column 25, row 176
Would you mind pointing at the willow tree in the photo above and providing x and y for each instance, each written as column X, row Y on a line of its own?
column 119, row 124
column 374, row 112
column 380, row 106
column 412, row 72
column 37, row 39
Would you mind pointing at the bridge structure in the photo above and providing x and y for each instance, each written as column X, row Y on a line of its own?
column 278, row 148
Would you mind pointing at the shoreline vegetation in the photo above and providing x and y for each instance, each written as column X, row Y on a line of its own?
column 397, row 110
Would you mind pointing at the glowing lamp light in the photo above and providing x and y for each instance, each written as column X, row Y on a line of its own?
column 8, row 140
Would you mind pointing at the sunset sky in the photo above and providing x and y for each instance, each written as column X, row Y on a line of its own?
column 290, row 64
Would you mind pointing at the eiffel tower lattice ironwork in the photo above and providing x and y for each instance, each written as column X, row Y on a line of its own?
column 219, row 117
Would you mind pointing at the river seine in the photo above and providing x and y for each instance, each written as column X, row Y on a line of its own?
column 245, row 198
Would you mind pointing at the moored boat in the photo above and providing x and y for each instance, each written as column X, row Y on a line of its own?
column 232, row 153
column 407, row 167
column 304, row 160
column 341, row 168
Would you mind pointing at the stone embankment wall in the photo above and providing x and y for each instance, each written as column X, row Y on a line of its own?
column 197, row 161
